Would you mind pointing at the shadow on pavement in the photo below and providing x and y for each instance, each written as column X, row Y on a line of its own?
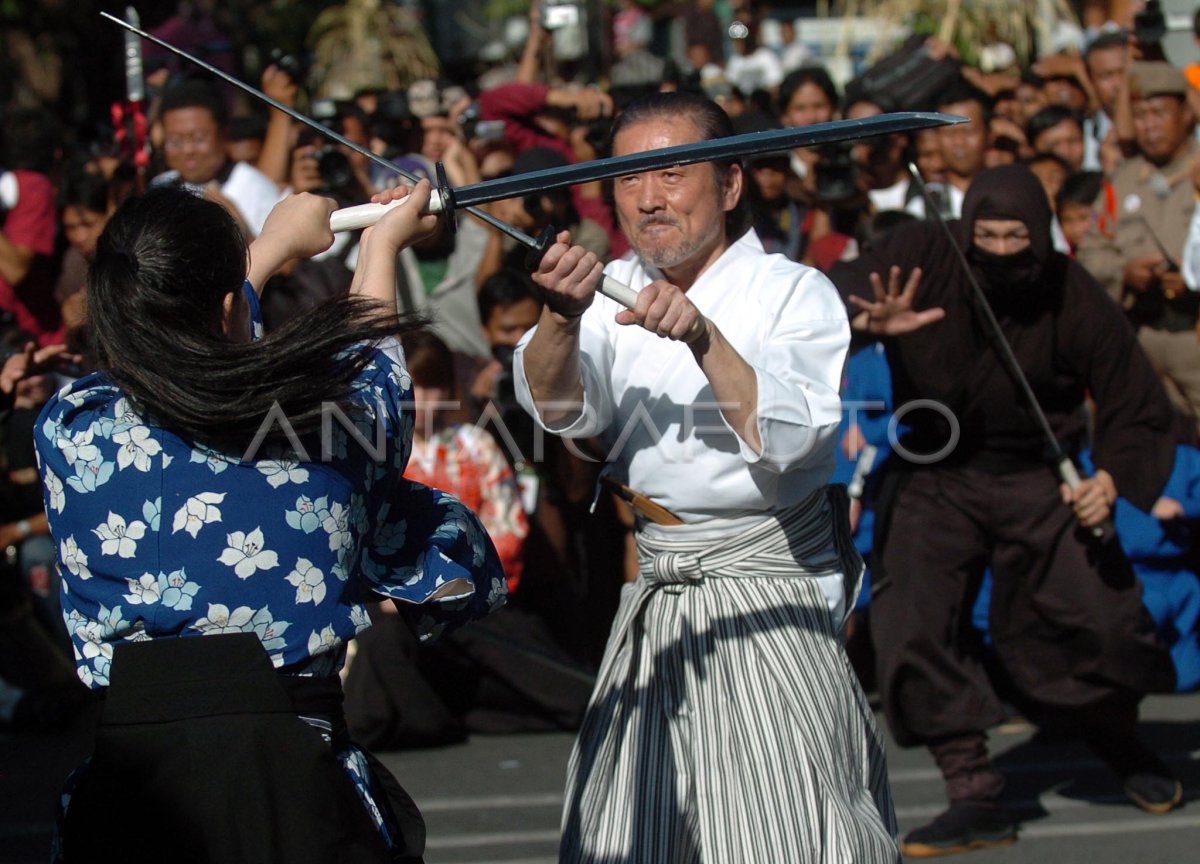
column 1050, row 763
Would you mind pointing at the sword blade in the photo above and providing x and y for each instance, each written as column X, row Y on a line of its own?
column 712, row 150
column 263, row 97
column 435, row 202
column 135, row 88
column 731, row 147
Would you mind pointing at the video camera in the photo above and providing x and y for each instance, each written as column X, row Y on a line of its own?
column 473, row 127
column 836, row 173
column 1150, row 25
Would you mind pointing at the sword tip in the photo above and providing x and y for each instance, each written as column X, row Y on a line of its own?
column 950, row 119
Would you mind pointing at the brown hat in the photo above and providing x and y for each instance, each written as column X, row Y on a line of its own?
column 1155, row 78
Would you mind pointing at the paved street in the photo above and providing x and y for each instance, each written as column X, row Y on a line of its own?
column 497, row 799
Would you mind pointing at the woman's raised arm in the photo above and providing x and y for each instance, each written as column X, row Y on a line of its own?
column 375, row 275
column 296, row 227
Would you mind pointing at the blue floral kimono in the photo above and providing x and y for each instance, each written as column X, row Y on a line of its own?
column 160, row 538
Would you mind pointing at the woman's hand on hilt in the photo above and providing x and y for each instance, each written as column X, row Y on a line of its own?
column 298, row 226
column 892, row 313
column 404, row 224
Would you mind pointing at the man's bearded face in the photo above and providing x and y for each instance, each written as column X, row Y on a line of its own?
column 672, row 215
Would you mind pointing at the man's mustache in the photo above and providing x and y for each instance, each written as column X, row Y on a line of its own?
column 647, row 221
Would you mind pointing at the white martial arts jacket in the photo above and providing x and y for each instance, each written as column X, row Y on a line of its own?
column 654, row 409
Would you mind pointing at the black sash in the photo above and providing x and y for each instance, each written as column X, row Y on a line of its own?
column 201, row 756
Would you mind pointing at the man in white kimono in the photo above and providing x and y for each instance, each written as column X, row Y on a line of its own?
column 726, row 724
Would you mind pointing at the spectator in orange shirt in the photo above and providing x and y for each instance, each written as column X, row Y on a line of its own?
column 462, row 458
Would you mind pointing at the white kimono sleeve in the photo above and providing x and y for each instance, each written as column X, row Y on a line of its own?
column 595, row 413
column 799, row 372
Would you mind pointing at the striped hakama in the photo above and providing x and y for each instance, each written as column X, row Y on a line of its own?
column 727, row 726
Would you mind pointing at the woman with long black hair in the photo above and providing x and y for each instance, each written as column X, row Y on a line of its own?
column 213, row 482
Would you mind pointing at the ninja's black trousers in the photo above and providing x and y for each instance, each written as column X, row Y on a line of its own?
column 1066, row 621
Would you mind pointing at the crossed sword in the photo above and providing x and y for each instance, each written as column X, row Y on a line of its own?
column 447, row 200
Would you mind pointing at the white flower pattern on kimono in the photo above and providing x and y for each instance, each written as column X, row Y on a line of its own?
column 79, row 447
column 94, row 648
column 124, row 417
column 144, row 590
column 119, row 538
column 344, row 565
column 220, row 620
column 269, row 631
column 309, row 582
column 358, row 514
column 360, row 618
column 55, row 499
column 246, row 555
column 389, row 537
column 281, row 471
column 496, row 595
column 459, row 522
column 215, row 461
column 399, row 378
column 350, row 519
column 323, row 641
column 74, row 558
column 337, row 524
column 137, row 446
column 338, row 440
column 196, row 512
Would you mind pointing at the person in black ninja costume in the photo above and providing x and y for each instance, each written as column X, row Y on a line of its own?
column 1067, row 625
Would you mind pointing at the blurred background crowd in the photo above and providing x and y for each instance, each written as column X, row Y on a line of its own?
column 1099, row 99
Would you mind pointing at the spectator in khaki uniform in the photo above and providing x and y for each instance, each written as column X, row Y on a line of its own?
column 1134, row 248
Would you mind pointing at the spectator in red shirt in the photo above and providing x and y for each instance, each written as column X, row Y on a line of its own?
column 27, row 153
column 555, row 118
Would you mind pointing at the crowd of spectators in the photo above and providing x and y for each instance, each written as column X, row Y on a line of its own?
column 1108, row 127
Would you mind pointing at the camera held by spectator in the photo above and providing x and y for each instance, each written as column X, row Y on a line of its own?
column 295, row 65
column 475, row 129
column 333, row 167
column 836, row 173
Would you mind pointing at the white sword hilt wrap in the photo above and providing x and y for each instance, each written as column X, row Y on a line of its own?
column 366, row 215
column 615, row 290
column 627, row 297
